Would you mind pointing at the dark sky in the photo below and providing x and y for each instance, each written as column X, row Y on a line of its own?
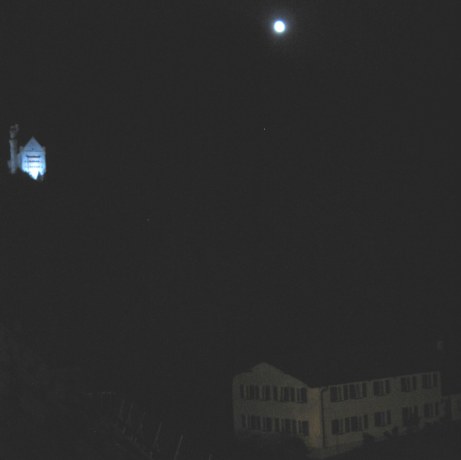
column 217, row 194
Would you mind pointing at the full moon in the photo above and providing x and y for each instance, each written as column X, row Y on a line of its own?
column 279, row 26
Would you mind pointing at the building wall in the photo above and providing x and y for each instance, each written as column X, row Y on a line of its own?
column 389, row 404
column 264, row 375
column 33, row 163
column 348, row 413
column 453, row 403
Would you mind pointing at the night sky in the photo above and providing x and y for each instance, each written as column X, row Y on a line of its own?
column 217, row 194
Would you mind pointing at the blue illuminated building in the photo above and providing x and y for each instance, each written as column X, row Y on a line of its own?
column 30, row 158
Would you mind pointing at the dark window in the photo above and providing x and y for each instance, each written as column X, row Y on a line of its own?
column 269, row 424
column 352, row 392
column 364, row 390
column 258, row 423
column 335, row 426
column 365, row 422
column 354, row 424
column 403, row 384
column 405, row 415
column 275, row 393
column 266, row 392
column 285, row 394
column 293, row 426
column 410, row 415
column 292, row 394
column 409, row 383
column 382, row 387
column 334, row 394
column 242, row 391
column 277, row 424
column 382, row 418
column 347, row 425
column 305, row 428
column 346, row 392
column 435, row 380
column 244, row 421
column 431, row 409
column 287, row 425
column 302, row 395
column 256, row 392
column 427, row 411
column 376, row 388
column 377, row 418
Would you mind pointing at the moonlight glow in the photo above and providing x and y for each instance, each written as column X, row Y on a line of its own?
column 279, row 26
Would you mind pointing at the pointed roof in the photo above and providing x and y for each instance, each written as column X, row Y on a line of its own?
column 33, row 146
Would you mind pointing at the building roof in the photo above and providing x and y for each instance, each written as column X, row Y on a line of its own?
column 33, row 146
column 324, row 371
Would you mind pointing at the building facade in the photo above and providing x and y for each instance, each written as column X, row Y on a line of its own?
column 452, row 403
column 30, row 158
column 334, row 418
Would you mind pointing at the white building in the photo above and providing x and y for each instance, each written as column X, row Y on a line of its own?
column 30, row 158
column 453, row 406
column 333, row 418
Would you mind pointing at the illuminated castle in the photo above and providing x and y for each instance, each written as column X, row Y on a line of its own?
column 30, row 158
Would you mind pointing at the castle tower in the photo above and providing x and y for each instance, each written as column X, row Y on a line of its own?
column 30, row 159
column 12, row 164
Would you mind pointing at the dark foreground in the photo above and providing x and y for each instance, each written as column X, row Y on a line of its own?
column 49, row 412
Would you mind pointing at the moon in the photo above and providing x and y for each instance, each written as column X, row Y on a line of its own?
column 279, row 26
